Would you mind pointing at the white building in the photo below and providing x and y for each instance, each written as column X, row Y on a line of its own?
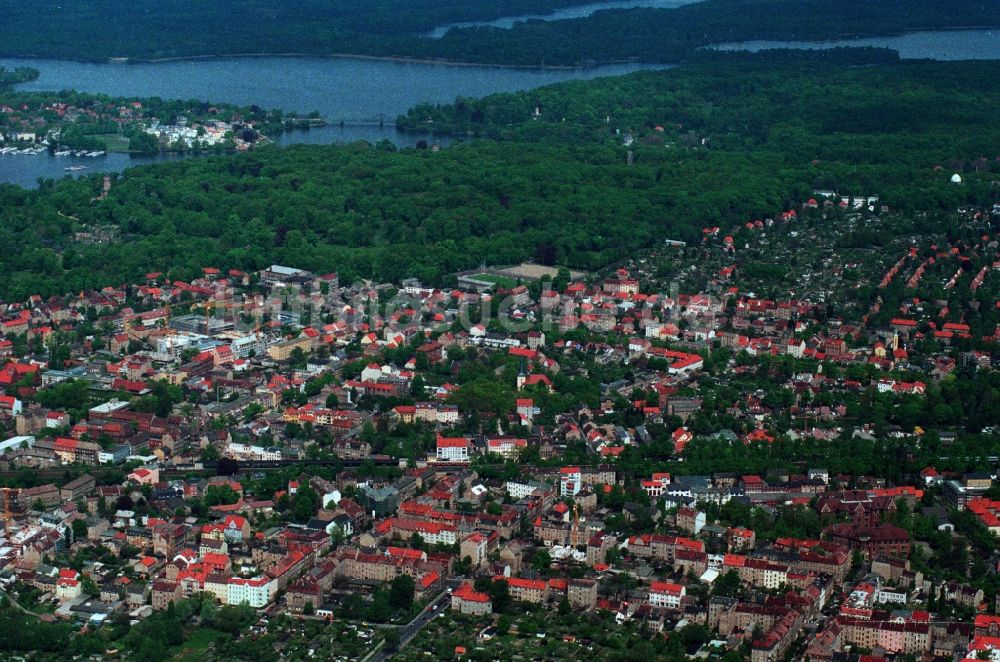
column 453, row 449
column 333, row 497
column 570, row 481
column 244, row 346
column 432, row 533
column 372, row 372
column 518, row 490
column 666, row 594
column 506, row 447
column 249, row 452
column 14, row 443
column 447, row 414
column 254, row 592
column 891, row 596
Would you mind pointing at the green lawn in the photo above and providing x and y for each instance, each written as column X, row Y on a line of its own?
column 194, row 649
column 500, row 281
column 115, row 142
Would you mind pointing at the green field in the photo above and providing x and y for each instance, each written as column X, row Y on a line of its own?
column 115, row 142
column 499, row 281
column 194, row 649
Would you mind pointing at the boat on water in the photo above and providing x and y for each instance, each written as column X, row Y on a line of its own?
column 75, row 168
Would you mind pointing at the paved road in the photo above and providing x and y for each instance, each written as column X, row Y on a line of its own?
column 410, row 630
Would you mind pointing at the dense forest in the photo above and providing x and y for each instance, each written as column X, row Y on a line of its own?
column 739, row 139
column 157, row 22
column 741, row 100
column 101, row 29
column 371, row 212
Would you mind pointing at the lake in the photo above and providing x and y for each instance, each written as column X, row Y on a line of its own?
column 358, row 91
column 576, row 11
column 943, row 45
column 361, row 91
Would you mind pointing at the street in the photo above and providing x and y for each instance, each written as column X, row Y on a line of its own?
column 410, row 630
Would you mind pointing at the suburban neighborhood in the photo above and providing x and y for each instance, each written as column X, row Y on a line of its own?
column 688, row 454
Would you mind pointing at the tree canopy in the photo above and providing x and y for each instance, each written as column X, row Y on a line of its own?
column 740, row 139
column 103, row 29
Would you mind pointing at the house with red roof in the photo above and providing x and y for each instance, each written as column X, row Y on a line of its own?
column 570, row 481
column 526, row 410
column 666, row 594
column 681, row 438
column 145, row 476
column 987, row 625
column 986, row 511
column 236, row 528
column 657, row 484
column 476, row 547
column 119, row 343
column 453, row 449
column 133, row 387
column 406, row 413
column 467, row 600
column 534, row 379
column 983, row 647
column 406, row 553
column 69, row 586
column 739, row 539
column 432, row 532
column 758, row 435
column 15, row 327
column 10, row 405
column 930, row 476
column 506, row 447
column 526, row 590
column 610, row 452
column 56, row 419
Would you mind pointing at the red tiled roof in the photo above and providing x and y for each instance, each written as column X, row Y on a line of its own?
column 452, row 442
column 469, row 594
column 666, row 587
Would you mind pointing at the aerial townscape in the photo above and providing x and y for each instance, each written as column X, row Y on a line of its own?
column 634, row 334
column 697, row 469
column 69, row 123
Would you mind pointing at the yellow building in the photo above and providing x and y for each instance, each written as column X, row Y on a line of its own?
column 282, row 351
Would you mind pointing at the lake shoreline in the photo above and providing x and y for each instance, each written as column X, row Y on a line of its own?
column 398, row 59
column 404, row 59
column 360, row 97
